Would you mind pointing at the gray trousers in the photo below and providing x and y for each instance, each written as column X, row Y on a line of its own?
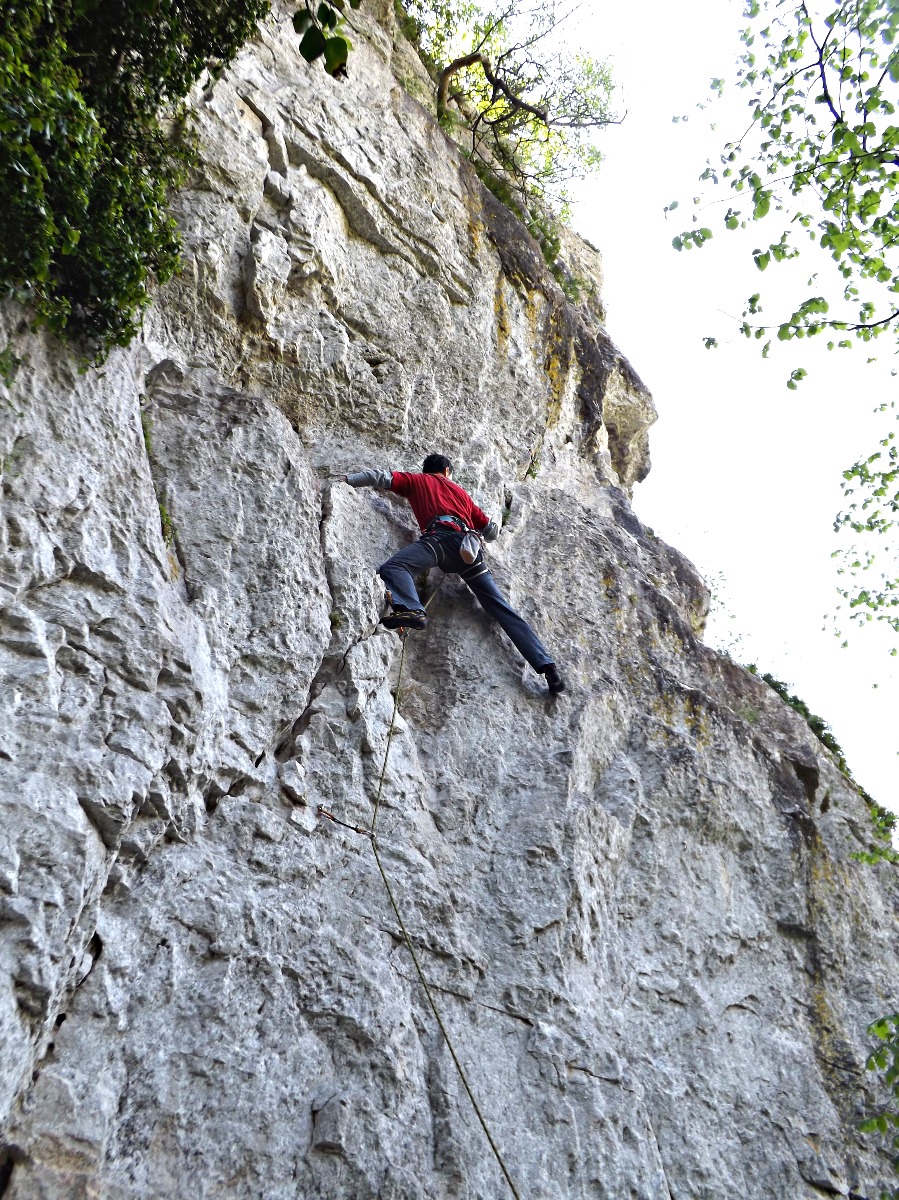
column 442, row 550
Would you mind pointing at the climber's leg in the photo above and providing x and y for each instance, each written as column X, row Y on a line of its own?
column 497, row 606
column 397, row 573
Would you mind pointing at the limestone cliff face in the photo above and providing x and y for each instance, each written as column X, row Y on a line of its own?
column 635, row 902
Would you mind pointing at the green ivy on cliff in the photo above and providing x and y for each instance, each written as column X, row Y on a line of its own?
column 93, row 142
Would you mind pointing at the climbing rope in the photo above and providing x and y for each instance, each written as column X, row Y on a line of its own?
column 371, row 834
column 396, row 704
column 443, row 1029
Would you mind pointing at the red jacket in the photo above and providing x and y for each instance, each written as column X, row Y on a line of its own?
column 434, row 495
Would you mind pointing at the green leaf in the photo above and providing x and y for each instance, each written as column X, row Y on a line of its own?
column 337, row 51
column 302, row 20
column 312, row 45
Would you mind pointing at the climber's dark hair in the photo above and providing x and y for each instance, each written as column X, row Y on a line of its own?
column 436, row 464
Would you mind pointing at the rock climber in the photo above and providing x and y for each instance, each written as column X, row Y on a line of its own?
column 445, row 514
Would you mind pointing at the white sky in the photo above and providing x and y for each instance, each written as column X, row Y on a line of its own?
column 746, row 474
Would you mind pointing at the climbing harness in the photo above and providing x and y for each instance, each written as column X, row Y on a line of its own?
column 372, row 836
column 472, row 542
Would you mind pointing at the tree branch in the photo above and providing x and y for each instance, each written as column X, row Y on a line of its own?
column 853, row 328
column 499, row 86
column 838, row 118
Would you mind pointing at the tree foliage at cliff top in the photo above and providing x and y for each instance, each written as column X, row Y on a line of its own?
column 820, row 160
column 528, row 103
column 871, row 487
column 86, row 161
column 821, row 155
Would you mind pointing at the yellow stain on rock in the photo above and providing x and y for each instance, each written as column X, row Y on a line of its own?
column 503, row 318
column 474, row 223
column 556, row 363
column 685, row 712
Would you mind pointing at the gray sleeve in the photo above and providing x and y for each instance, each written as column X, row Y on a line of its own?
column 376, row 479
column 490, row 532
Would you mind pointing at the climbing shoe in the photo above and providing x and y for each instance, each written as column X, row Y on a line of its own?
column 405, row 618
column 554, row 680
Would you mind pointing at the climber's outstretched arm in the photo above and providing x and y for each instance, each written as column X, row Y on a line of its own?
column 376, row 479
